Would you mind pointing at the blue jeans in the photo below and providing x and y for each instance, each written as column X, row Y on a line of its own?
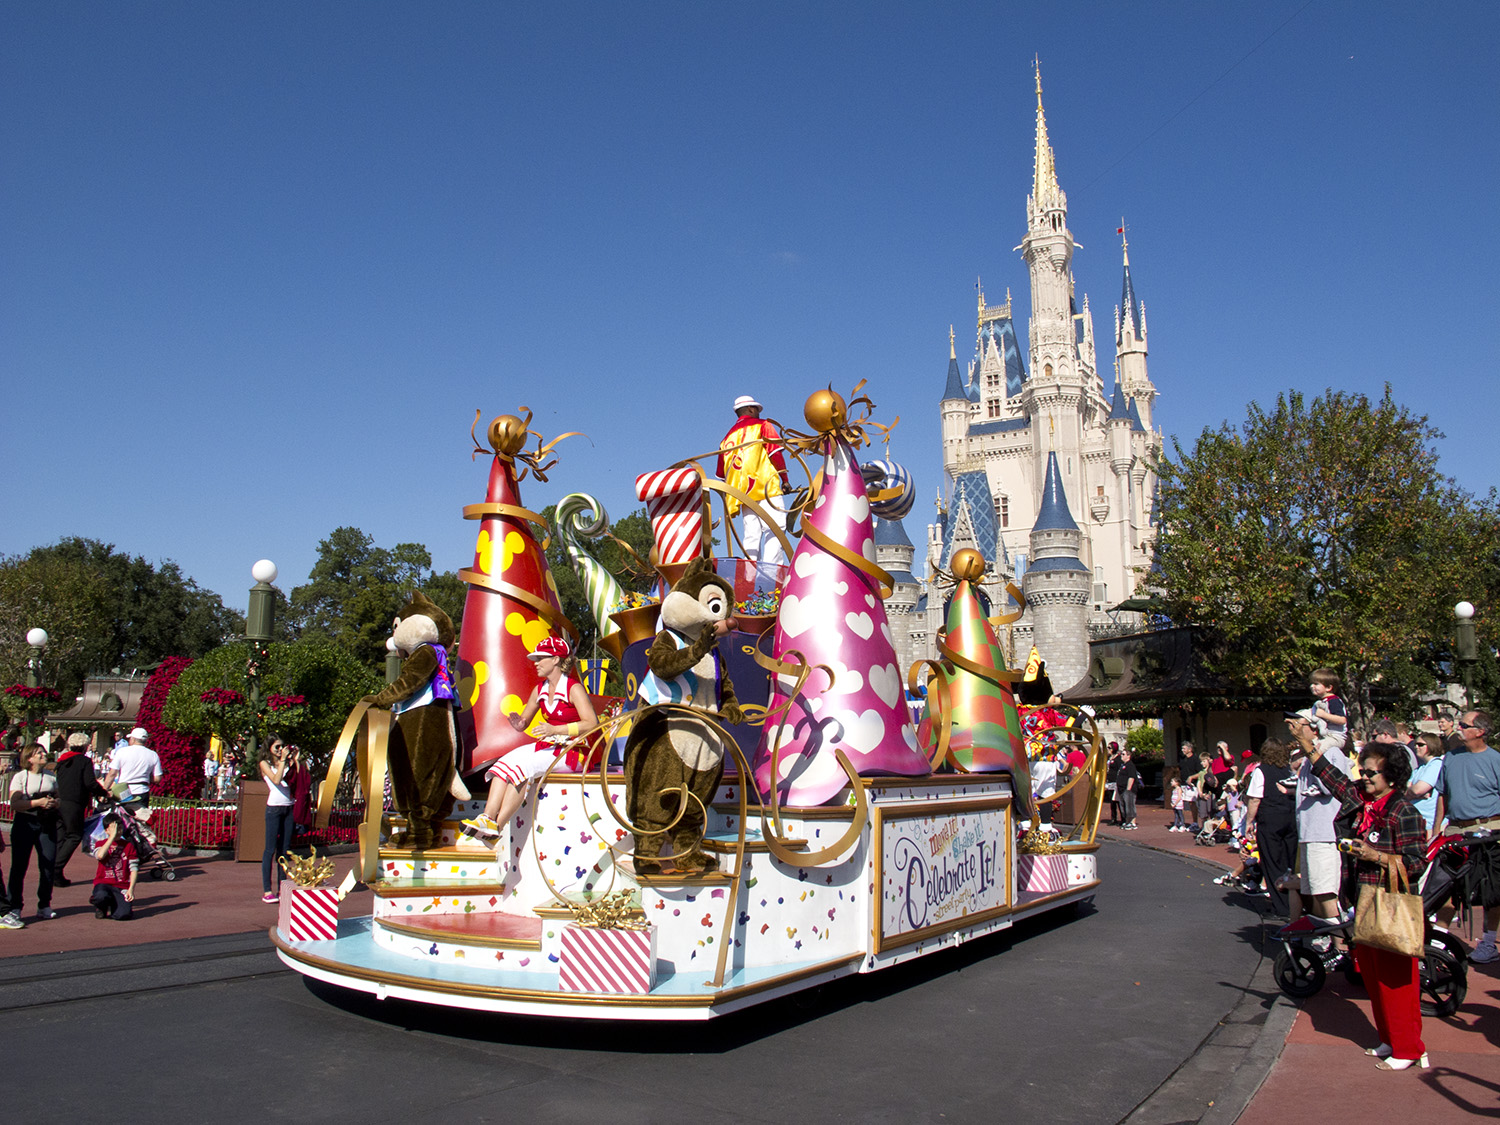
column 279, row 830
column 112, row 901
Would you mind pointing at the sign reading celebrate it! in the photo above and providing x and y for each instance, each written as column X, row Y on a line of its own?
column 941, row 865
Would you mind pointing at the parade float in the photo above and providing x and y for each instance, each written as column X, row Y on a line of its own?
column 830, row 836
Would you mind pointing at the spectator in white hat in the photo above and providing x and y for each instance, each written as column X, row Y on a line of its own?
column 751, row 460
column 136, row 767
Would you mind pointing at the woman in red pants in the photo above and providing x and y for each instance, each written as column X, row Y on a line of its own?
column 1390, row 831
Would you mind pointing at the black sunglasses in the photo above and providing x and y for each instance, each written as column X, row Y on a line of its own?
column 1370, row 773
column 1468, row 726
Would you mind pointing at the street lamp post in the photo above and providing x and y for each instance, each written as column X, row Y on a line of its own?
column 258, row 621
column 1465, row 649
column 37, row 639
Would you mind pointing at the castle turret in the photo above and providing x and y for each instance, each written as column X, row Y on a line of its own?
column 1130, row 345
column 1057, row 585
column 954, row 410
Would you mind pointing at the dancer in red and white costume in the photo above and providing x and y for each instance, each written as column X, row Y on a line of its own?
column 565, row 706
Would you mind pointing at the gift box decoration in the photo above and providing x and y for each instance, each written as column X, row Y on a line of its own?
column 308, row 913
column 1043, row 873
column 601, row 960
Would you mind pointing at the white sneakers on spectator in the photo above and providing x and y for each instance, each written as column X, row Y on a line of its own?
column 12, row 921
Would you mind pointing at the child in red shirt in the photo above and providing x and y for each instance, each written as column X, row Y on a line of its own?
column 114, row 885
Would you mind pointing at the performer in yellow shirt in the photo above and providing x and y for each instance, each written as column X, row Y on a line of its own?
column 751, row 460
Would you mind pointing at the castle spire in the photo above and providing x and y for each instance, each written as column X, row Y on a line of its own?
column 952, row 355
column 1044, row 189
column 1131, row 317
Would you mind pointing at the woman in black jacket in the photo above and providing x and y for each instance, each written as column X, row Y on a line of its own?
column 1273, row 813
column 77, row 785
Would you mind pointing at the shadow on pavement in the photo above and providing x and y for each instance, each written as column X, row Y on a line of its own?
column 715, row 1036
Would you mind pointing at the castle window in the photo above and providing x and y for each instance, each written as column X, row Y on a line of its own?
column 1101, row 492
column 994, row 408
column 1047, row 371
column 1004, row 512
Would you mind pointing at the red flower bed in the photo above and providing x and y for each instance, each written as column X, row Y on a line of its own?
column 181, row 754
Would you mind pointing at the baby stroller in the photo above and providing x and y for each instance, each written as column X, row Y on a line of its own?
column 149, row 856
column 1216, row 829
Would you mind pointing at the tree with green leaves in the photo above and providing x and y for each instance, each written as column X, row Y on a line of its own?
column 1323, row 534
column 103, row 609
column 308, row 689
column 356, row 589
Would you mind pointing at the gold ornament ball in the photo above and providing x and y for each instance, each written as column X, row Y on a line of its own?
column 507, row 434
column 825, row 410
column 968, row 565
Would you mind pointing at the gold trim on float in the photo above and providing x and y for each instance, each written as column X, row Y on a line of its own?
column 427, row 934
column 445, row 853
column 564, row 999
column 1031, row 903
column 433, row 890
column 878, row 941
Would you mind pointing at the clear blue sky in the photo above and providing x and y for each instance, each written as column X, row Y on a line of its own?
column 262, row 261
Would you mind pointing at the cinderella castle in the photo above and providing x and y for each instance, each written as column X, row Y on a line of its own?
column 1049, row 471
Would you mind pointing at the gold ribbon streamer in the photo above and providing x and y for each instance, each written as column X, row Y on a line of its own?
column 479, row 511
column 1015, row 615
column 542, row 609
column 754, row 506
column 374, row 725
column 882, row 580
column 942, row 721
column 995, row 676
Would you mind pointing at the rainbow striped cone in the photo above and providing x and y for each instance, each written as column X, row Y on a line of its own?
column 986, row 728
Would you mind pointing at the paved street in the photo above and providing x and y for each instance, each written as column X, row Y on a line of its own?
column 1076, row 1020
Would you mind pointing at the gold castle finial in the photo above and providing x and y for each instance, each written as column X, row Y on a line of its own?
column 1044, row 175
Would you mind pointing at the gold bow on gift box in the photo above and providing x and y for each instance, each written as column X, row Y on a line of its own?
column 1037, row 842
column 307, row 872
column 612, row 912
column 314, row 872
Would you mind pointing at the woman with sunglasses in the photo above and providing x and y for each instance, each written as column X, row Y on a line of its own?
column 1390, row 831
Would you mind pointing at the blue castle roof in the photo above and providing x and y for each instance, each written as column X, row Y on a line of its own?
column 1054, row 514
column 890, row 533
column 971, row 493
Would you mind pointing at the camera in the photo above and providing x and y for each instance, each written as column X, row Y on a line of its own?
column 1348, row 845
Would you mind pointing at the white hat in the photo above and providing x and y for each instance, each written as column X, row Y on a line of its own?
column 744, row 401
column 138, row 735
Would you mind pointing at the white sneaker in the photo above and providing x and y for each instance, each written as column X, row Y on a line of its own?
column 46, row 913
column 12, row 921
column 1484, row 953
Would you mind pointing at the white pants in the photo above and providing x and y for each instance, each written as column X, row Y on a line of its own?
column 761, row 544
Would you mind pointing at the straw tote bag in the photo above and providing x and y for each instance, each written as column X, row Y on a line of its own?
column 1390, row 917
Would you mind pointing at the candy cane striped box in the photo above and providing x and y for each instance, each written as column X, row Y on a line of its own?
column 1045, row 873
column 596, row 960
column 674, row 503
column 308, row 913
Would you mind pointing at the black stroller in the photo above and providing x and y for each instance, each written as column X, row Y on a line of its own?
column 151, row 859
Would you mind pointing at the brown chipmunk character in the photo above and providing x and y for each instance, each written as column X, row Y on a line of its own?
column 668, row 750
column 423, row 778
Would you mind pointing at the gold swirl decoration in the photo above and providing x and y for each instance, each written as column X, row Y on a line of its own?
column 940, row 711
column 507, row 435
column 368, row 729
column 1082, row 732
column 794, row 664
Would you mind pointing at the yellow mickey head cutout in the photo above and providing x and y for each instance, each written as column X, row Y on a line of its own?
column 484, row 552
column 551, row 582
column 512, row 705
column 481, row 676
column 530, row 631
column 514, row 544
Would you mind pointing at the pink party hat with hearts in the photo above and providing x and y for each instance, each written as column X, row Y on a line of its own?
column 832, row 614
